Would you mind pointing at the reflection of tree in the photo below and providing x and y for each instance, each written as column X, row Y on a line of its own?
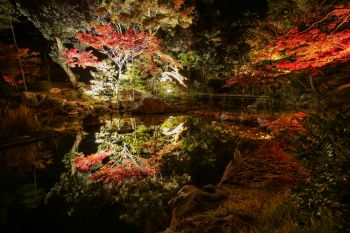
column 119, row 160
column 114, row 162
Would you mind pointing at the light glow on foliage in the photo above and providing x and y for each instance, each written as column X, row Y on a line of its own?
column 315, row 47
column 121, row 167
column 176, row 132
column 174, row 74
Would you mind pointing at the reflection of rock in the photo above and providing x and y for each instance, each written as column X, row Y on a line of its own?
column 152, row 120
column 192, row 199
column 150, row 105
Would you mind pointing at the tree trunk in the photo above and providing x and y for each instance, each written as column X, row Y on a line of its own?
column 313, row 86
column 72, row 77
column 118, row 82
column 47, row 63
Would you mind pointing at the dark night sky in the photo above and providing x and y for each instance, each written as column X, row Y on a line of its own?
column 213, row 14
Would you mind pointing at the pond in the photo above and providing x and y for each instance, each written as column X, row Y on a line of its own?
column 118, row 175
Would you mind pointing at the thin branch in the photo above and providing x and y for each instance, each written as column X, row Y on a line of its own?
column 19, row 56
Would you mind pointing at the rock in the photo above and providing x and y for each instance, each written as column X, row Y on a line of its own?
column 55, row 90
column 192, row 199
column 152, row 106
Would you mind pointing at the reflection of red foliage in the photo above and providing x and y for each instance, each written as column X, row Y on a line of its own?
column 85, row 163
column 275, row 150
column 289, row 122
column 120, row 173
column 127, row 168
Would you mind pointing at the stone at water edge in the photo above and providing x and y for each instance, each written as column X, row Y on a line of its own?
column 73, row 112
column 151, row 105
column 55, row 90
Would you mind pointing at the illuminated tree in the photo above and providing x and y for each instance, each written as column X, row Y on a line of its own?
column 120, row 47
column 324, row 42
column 314, row 48
column 297, row 38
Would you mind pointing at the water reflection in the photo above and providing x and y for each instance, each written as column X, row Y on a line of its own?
column 138, row 168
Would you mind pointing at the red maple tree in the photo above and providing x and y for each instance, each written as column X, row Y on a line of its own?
column 120, row 47
column 324, row 42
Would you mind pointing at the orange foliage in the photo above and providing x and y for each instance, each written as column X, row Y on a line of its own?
column 178, row 3
column 126, row 168
column 315, row 47
column 288, row 122
column 85, row 163
column 120, row 173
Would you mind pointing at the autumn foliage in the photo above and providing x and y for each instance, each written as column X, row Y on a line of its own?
column 324, row 42
column 85, row 163
column 120, row 174
column 290, row 122
column 118, row 169
column 120, row 47
column 11, row 69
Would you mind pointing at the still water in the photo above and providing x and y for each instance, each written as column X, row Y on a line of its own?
column 117, row 176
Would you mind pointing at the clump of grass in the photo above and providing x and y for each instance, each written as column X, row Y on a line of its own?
column 285, row 218
column 246, row 203
column 18, row 121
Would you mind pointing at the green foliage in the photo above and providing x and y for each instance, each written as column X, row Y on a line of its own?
column 324, row 149
column 7, row 14
column 135, row 79
column 147, row 15
column 137, row 139
column 190, row 59
column 53, row 18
